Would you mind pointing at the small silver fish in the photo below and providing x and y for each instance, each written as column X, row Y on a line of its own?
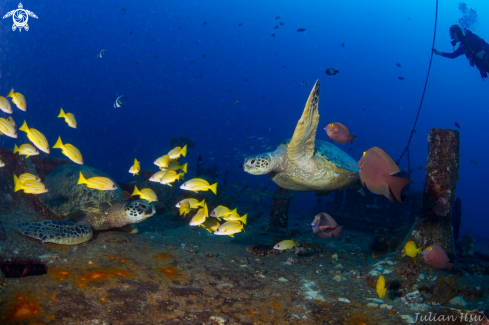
column 101, row 54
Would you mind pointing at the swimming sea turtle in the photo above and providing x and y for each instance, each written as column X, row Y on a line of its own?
column 86, row 209
column 304, row 163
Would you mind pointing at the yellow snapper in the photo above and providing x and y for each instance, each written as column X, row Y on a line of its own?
column 26, row 149
column 184, row 208
column 177, row 151
column 29, row 177
column 32, row 187
column 236, row 217
column 199, row 184
column 229, row 228
column 98, row 183
column 135, row 168
column 69, row 118
column 157, row 176
column 69, row 151
column 5, row 105
column 11, row 120
column 194, row 203
column 221, row 211
column 18, row 99
column 145, row 194
column 210, row 225
column 411, row 249
column 285, row 244
column 200, row 216
column 175, row 165
column 163, row 161
column 36, row 137
column 7, row 128
column 170, row 176
column 381, row 289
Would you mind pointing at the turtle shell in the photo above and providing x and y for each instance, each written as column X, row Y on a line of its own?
column 66, row 197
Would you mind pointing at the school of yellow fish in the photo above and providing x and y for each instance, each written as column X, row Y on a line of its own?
column 168, row 165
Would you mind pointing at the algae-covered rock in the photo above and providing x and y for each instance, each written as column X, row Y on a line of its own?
column 66, row 197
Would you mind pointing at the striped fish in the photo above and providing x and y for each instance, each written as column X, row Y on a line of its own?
column 170, row 176
column 229, row 228
column 7, row 128
column 98, row 182
column 285, row 244
column 200, row 216
column 36, row 137
column 222, row 211
column 18, row 99
column 69, row 118
column 5, row 105
column 157, row 176
column 175, row 165
column 210, row 225
column 145, row 194
column 31, row 186
column 69, row 151
column 236, row 217
column 199, row 184
column 184, row 208
column 135, row 168
column 11, row 120
column 29, row 177
column 163, row 161
column 26, row 149
column 177, row 151
column 194, row 203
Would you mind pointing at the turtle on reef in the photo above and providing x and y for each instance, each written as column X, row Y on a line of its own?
column 304, row 163
column 82, row 209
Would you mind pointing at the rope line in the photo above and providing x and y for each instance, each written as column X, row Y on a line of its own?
column 406, row 150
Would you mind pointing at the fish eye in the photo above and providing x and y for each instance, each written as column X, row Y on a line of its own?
column 364, row 153
column 252, row 161
column 331, row 125
column 430, row 248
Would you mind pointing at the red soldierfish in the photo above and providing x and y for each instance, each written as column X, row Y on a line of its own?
column 436, row 257
column 339, row 133
column 376, row 168
column 324, row 226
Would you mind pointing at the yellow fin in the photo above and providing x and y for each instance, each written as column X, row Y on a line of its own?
column 62, row 113
column 82, row 179
column 244, row 220
column 11, row 93
column 213, row 188
column 184, row 151
column 17, row 184
column 16, row 149
column 59, row 144
column 184, row 168
column 24, row 127
column 136, row 191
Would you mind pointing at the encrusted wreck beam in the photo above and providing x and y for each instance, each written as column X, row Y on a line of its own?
column 433, row 226
column 279, row 216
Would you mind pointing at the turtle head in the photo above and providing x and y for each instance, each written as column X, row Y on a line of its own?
column 258, row 164
column 139, row 210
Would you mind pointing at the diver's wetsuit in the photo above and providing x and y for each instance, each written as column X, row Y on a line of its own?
column 482, row 65
column 458, row 52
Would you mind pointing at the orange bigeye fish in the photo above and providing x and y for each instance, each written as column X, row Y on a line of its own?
column 376, row 168
column 339, row 133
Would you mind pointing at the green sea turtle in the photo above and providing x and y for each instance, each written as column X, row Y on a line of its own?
column 304, row 163
column 82, row 209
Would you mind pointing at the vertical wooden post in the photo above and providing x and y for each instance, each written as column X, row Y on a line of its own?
column 434, row 224
column 279, row 215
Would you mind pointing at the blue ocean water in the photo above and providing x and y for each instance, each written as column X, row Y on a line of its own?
column 197, row 57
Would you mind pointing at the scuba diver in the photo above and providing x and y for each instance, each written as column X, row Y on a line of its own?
column 475, row 49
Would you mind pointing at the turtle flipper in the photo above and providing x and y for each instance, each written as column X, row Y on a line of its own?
column 302, row 143
column 63, row 232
